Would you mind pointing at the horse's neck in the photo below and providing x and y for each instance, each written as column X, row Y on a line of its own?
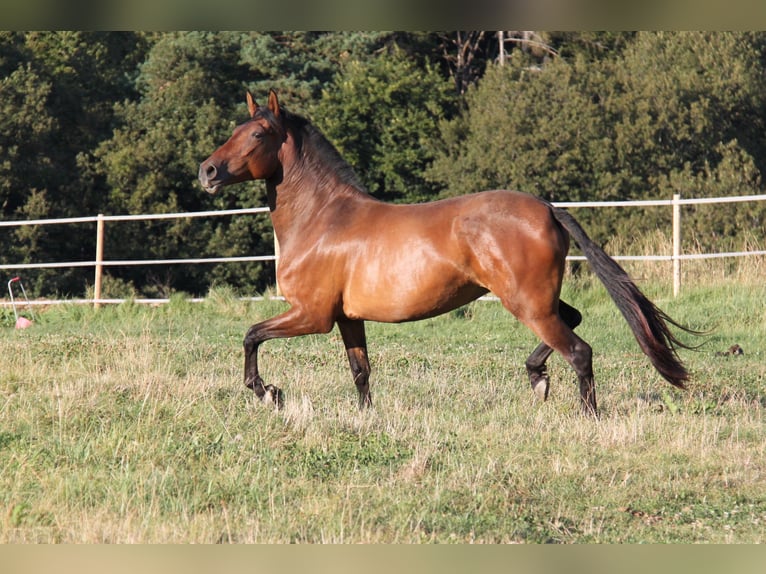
column 296, row 203
column 307, row 189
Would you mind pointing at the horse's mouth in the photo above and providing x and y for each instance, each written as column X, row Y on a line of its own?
column 210, row 186
column 208, row 177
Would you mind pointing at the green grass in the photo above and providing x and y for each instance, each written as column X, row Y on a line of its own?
column 131, row 424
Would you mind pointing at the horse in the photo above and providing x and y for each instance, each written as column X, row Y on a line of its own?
column 347, row 257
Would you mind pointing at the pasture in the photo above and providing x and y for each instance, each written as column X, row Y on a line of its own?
column 131, row 424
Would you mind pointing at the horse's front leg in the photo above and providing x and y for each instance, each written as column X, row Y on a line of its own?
column 292, row 323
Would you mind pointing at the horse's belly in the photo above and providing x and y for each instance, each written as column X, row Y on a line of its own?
column 394, row 299
column 412, row 267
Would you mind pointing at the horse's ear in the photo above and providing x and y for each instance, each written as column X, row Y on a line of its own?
column 273, row 102
column 251, row 104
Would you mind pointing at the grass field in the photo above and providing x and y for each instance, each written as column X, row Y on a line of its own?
column 131, row 424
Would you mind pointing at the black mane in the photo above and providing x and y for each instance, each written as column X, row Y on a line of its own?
column 317, row 150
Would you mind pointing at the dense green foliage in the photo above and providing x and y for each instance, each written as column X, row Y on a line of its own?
column 666, row 114
column 118, row 123
column 395, row 110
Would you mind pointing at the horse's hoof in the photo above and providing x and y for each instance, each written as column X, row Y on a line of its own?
column 273, row 396
column 541, row 388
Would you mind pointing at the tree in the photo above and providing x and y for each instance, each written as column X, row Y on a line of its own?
column 57, row 94
column 300, row 64
column 524, row 128
column 187, row 86
column 666, row 113
column 691, row 121
column 381, row 114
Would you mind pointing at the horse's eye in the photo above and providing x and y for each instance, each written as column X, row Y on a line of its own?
column 258, row 135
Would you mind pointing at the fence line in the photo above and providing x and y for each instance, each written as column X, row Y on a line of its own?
column 660, row 202
column 139, row 217
column 129, row 262
column 99, row 263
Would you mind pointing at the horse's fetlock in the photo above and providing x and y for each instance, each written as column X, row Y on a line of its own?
column 365, row 400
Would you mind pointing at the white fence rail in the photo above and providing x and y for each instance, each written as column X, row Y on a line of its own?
column 99, row 262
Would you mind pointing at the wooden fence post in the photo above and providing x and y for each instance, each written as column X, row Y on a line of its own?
column 99, row 260
column 676, row 244
column 276, row 264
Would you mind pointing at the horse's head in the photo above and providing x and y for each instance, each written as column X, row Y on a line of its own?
column 252, row 150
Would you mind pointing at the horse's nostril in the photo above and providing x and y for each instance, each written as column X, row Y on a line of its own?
column 210, row 171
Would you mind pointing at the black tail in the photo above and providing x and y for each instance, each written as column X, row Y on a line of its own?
column 648, row 323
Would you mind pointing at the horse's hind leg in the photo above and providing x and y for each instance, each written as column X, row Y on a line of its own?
column 355, row 342
column 535, row 363
column 556, row 334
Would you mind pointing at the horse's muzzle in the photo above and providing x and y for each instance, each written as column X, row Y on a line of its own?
column 207, row 177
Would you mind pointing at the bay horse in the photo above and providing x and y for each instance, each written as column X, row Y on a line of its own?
column 347, row 258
